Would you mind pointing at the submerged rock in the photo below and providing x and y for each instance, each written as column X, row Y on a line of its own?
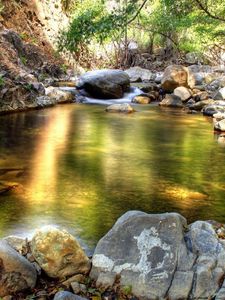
column 58, row 253
column 105, row 84
column 121, row 108
column 16, row 273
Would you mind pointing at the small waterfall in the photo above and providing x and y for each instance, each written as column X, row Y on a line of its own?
column 134, row 91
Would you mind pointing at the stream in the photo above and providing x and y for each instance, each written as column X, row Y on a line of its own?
column 78, row 167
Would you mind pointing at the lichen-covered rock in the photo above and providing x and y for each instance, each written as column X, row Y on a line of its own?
column 175, row 76
column 120, row 108
column 16, row 272
column 171, row 100
column 105, row 84
column 143, row 250
column 58, row 253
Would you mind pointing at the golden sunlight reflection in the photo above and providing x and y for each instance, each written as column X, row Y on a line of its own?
column 46, row 159
column 185, row 198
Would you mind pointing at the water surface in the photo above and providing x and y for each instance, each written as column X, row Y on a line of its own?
column 81, row 168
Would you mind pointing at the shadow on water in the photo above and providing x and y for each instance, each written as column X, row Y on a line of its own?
column 84, row 168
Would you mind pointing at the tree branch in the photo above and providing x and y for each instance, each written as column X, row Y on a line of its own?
column 205, row 9
column 137, row 13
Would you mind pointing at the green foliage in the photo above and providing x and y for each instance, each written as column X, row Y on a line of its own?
column 23, row 60
column 94, row 22
column 185, row 24
column 28, row 87
column 1, row 7
column 127, row 290
column 2, row 81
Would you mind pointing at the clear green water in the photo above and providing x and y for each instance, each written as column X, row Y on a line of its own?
column 84, row 168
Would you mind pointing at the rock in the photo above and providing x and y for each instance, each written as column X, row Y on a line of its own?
column 78, row 287
column 175, row 76
column 120, row 108
column 58, row 253
column 211, row 109
column 182, row 92
column 145, row 87
column 200, row 96
column 171, row 100
column 105, row 84
column 58, row 95
column 76, row 278
column 221, row 293
column 137, row 74
column 63, row 295
column 219, row 116
column 16, row 242
column 143, row 250
column 44, row 101
column 16, row 273
column 141, row 99
column 203, row 239
column 181, row 285
column 158, row 78
column 220, row 125
column 193, row 58
column 220, row 95
column 201, row 104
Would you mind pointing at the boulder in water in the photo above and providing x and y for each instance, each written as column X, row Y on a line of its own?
column 105, row 84
column 120, row 108
column 171, row 100
column 142, row 99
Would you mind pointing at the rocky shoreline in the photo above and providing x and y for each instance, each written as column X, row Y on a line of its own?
column 143, row 256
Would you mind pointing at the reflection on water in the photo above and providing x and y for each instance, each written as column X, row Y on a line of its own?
column 83, row 168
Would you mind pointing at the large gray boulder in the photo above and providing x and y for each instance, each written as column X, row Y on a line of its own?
column 16, row 272
column 105, row 84
column 160, row 257
column 144, row 250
